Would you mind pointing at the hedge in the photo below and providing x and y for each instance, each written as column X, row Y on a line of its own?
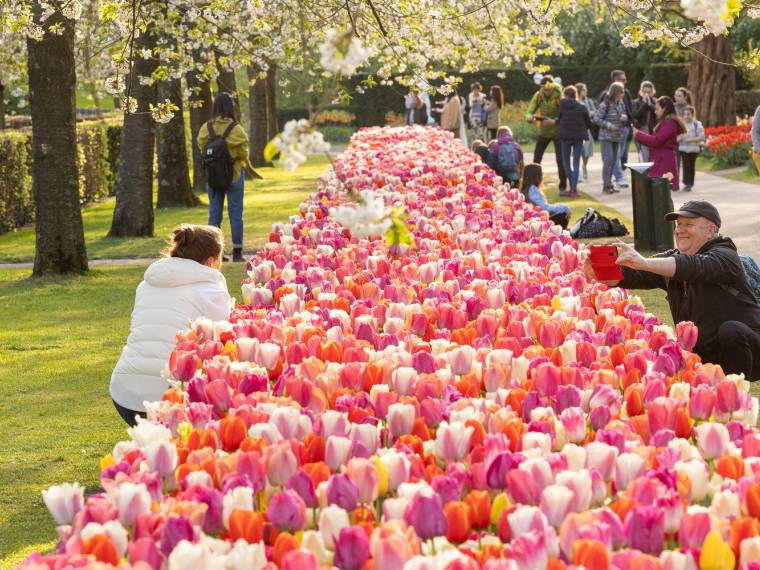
column 98, row 145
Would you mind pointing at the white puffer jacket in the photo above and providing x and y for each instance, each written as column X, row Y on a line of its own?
column 174, row 292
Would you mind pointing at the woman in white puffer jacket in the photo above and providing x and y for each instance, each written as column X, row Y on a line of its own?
column 184, row 285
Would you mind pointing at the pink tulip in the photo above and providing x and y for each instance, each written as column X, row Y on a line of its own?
column 712, row 439
column 573, row 421
column 727, row 397
column 702, row 402
column 522, row 487
column 551, row 335
column 628, row 466
column 452, row 440
column 460, row 360
column 579, row 482
column 268, row 355
column 644, row 529
column 183, row 364
column 391, row 546
column 555, row 503
column 403, row 380
column 246, row 348
column 351, row 549
column 64, row 501
column 367, row 434
column 687, row 333
column 217, row 393
column 287, row 511
column 694, row 528
column 337, row 451
column 363, row 473
column 400, row 419
column 131, row 500
column 334, row 423
column 529, row 551
column 145, row 550
column 299, row 560
column 398, row 466
column 281, row 463
column 162, row 457
column 601, row 457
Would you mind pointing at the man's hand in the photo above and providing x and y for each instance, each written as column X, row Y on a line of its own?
column 549, row 122
column 588, row 269
column 629, row 257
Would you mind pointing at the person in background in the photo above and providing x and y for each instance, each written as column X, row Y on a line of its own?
column 689, row 146
column 573, row 125
column 411, row 102
column 493, row 104
column 588, row 145
column 481, row 149
column 705, row 284
column 543, row 109
column 531, row 187
column 451, row 114
column 463, row 120
column 681, row 99
column 611, row 118
column 506, row 156
column 475, row 103
column 663, row 142
column 756, row 139
column 182, row 286
column 618, row 75
column 643, row 115
column 224, row 118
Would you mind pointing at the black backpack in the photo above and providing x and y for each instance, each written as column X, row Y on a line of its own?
column 217, row 161
column 594, row 224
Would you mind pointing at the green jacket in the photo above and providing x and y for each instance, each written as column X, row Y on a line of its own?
column 547, row 107
column 237, row 143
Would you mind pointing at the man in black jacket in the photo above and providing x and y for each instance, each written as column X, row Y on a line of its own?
column 706, row 284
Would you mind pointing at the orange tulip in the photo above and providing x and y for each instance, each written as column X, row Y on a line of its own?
column 421, row 430
column 201, row 438
column 284, row 543
column 101, row 547
column 634, row 400
column 556, row 564
column 184, row 470
column 313, row 448
column 331, row 351
column 247, row 525
column 622, row 506
column 458, row 519
column 480, row 509
column 479, row 433
column 591, row 554
column 741, row 528
column 730, row 467
column 684, row 422
column 411, row 441
column 174, row 395
column 253, row 444
column 233, row 431
column 753, row 500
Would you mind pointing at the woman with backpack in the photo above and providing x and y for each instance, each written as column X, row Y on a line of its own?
column 572, row 130
column 224, row 148
column 493, row 104
column 182, row 286
column 663, row 142
column 689, row 146
column 593, row 132
column 612, row 119
column 531, row 187
column 506, row 156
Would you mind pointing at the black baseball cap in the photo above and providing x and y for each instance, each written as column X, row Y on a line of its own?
column 696, row 209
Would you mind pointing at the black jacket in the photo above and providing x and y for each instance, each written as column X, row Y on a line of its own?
column 573, row 122
column 643, row 114
column 699, row 291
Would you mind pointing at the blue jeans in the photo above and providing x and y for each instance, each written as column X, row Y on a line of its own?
column 572, row 171
column 234, row 209
column 622, row 156
column 610, row 158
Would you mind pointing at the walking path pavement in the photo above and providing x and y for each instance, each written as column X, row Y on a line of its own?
column 737, row 202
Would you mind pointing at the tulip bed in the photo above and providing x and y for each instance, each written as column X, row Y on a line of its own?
column 471, row 402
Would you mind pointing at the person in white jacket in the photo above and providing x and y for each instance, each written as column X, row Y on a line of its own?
column 182, row 286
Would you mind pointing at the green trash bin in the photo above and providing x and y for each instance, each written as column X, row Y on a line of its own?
column 651, row 201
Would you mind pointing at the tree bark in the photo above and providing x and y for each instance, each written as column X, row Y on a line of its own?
column 133, row 215
column 200, row 112
column 272, row 126
column 60, row 246
column 2, row 106
column 174, row 188
column 713, row 84
column 257, row 110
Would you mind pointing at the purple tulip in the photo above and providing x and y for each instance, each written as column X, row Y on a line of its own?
column 425, row 515
column 342, row 492
column 645, row 529
column 447, row 488
column 287, row 511
column 214, row 500
column 351, row 549
column 599, row 417
column 302, row 484
column 175, row 530
column 423, row 362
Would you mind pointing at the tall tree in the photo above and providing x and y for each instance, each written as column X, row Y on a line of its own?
column 174, row 187
column 712, row 81
column 257, row 109
column 60, row 246
column 272, row 126
column 133, row 215
column 200, row 112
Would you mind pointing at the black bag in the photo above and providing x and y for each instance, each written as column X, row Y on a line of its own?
column 593, row 225
column 217, row 161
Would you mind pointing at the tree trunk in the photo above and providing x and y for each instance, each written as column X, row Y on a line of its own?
column 59, row 247
column 272, row 126
column 225, row 81
column 133, row 215
column 2, row 106
column 713, row 84
column 174, row 188
column 200, row 112
column 257, row 109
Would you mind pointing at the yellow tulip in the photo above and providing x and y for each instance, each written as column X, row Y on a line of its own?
column 716, row 554
column 382, row 477
column 107, row 461
column 499, row 503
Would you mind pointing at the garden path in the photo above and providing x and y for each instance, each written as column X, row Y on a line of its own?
column 737, row 202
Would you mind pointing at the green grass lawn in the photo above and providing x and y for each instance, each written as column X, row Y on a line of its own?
column 266, row 201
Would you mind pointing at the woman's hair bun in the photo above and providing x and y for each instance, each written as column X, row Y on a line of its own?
column 195, row 242
column 184, row 235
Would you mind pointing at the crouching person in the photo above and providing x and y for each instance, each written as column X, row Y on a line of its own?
column 705, row 283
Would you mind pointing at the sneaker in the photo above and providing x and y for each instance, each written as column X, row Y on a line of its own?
column 225, row 257
column 622, row 184
column 608, row 190
column 573, row 194
column 237, row 255
column 585, row 173
column 687, row 188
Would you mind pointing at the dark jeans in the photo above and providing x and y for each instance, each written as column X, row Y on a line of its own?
column 739, row 349
column 688, row 162
column 538, row 155
column 491, row 135
column 234, row 196
column 572, row 170
column 126, row 414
